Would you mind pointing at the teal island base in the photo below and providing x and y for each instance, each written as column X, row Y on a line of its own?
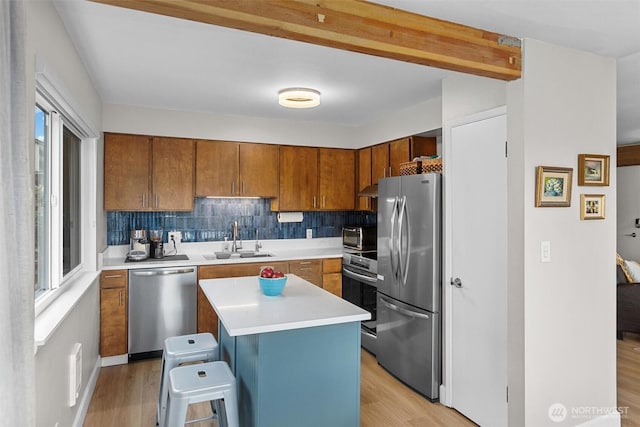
column 298, row 377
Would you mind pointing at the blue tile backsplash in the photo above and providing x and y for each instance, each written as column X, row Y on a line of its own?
column 212, row 220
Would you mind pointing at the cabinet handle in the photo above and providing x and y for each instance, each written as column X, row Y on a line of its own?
column 156, row 204
column 306, row 269
column 324, row 201
column 120, row 298
column 314, row 201
column 112, row 276
column 304, row 262
column 144, row 205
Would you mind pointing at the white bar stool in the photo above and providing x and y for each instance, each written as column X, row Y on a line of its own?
column 210, row 381
column 177, row 351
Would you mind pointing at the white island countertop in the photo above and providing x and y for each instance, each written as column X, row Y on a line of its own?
column 244, row 310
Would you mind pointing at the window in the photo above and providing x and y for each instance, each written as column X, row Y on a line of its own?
column 57, row 198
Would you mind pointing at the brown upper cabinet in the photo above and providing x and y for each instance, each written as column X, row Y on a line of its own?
column 628, row 155
column 144, row 173
column 383, row 160
column 316, row 179
column 386, row 158
column 364, row 178
column 236, row 169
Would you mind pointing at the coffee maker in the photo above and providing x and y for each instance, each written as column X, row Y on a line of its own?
column 157, row 247
column 138, row 245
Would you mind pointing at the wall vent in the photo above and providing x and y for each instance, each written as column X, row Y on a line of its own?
column 75, row 373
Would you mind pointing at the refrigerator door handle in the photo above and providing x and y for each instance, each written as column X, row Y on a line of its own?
column 393, row 240
column 403, row 258
column 402, row 311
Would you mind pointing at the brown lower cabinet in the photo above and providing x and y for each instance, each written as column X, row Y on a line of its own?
column 207, row 317
column 325, row 273
column 332, row 275
column 113, row 313
column 308, row 269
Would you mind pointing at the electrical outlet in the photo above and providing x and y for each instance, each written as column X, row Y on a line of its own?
column 174, row 240
column 309, row 233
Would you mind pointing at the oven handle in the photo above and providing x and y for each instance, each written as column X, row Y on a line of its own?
column 403, row 311
column 361, row 277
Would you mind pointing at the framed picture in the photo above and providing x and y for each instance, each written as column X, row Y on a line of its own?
column 553, row 186
column 592, row 206
column 593, row 169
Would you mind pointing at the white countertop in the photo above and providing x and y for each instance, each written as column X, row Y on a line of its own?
column 113, row 258
column 244, row 310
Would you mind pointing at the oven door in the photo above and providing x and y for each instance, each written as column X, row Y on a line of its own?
column 359, row 289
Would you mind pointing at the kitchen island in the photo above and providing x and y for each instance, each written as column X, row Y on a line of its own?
column 296, row 356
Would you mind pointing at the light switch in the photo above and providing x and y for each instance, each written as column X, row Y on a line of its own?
column 545, row 251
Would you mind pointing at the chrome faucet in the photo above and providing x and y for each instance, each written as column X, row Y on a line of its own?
column 235, row 246
column 258, row 244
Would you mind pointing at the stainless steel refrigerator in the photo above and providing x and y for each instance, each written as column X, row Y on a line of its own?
column 409, row 278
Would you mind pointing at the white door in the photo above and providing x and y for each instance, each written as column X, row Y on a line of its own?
column 478, row 319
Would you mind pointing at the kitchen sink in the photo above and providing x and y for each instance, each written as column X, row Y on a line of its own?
column 240, row 254
column 254, row 254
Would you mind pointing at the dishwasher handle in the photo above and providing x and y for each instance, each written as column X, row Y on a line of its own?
column 163, row 272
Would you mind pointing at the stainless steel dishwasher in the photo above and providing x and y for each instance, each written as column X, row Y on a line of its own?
column 162, row 303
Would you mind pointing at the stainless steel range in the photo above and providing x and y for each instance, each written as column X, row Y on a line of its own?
column 359, row 278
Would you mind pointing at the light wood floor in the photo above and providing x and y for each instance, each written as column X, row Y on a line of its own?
column 629, row 380
column 126, row 395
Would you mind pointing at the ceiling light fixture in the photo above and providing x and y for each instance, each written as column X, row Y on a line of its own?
column 298, row 97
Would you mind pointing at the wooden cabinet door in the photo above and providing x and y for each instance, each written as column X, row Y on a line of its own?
column 332, row 275
column 423, row 146
column 308, row 269
column 399, row 152
column 113, row 321
column 259, row 170
column 127, row 172
column 379, row 162
column 173, row 164
column 113, row 313
column 298, row 178
column 216, row 168
column 336, row 179
column 207, row 317
column 364, row 177
column 332, row 282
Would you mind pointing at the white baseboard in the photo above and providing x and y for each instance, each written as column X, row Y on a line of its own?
column 444, row 397
column 83, row 407
column 121, row 359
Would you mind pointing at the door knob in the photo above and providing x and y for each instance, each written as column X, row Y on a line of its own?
column 456, row 282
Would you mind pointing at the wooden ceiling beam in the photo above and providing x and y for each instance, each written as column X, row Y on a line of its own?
column 357, row 26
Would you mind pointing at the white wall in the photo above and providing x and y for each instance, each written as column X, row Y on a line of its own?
column 48, row 46
column 464, row 95
column 419, row 118
column 563, row 311
column 628, row 210
column 52, row 362
column 148, row 121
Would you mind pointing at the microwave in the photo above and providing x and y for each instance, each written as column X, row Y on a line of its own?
column 360, row 238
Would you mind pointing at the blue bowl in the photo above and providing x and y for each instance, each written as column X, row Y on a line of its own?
column 272, row 287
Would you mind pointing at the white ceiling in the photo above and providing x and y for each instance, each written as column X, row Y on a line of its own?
column 149, row 60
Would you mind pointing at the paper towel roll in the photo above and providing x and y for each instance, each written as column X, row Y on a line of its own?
column 290, row 217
